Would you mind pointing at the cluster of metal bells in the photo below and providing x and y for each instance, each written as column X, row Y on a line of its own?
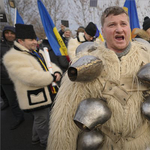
column 86, row 47
column 87, row 67
column 144, row 74
column 90, row 113
column 146, row 108
column 92, row 140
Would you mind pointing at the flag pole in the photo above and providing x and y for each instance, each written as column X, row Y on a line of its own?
column 15, row 16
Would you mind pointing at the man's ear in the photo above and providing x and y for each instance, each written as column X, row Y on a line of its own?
column 20, row 40
column 103, row 32
column 102, row 29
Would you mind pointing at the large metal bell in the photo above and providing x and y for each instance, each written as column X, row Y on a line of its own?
column 90, row 140
column 90, row 113
column 144, row 74
column 146, row 108
column 86, row 47
column 85, row 68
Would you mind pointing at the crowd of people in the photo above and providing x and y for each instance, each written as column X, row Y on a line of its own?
column 55, row 99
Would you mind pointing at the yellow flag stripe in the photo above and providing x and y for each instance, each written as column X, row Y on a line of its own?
column 126, row 9
column 63, row 49
column 42, row 62
column 101, row 37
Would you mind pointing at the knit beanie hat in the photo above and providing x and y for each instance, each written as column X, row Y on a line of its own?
column 146, row 23
column 24, row 31
column 9, row 28
column 91, row 29
column 67, row 29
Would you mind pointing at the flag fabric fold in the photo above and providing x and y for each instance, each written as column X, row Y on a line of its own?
column 130, row 7
column 54, row 38
column 99, row 35
column 18, row 20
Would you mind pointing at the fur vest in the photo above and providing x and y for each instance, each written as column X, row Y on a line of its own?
column 127, row 129
column 140, row 33
column 73, row 44
column 30, row 80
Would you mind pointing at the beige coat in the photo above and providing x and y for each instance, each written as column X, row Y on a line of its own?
column 142, row 34
column 74, row 43
column 30, row 80
column 127, row 129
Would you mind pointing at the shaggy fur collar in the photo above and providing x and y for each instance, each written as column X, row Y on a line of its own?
column 143, row 34
column 20, row 46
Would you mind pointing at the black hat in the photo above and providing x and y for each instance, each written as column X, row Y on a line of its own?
column 24, row 31
column 91, row 29
column 146, row 23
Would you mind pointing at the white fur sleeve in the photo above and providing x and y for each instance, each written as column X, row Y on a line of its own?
column 26, row 69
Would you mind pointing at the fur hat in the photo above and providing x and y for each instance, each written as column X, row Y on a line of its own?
column 91, row 29
column 146, row 23
column 24, row 31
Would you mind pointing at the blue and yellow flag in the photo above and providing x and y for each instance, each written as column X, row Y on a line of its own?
column 54, row 38
column 18, row 18
column 130, row 7
column 99, row 35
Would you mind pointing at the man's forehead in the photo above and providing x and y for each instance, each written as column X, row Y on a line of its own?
column 29, row 39
column 122, row 17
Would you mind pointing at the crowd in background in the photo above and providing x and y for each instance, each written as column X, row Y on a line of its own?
column 11, row 36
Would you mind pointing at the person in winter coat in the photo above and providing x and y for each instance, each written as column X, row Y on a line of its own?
column 8, row 93
column 143, row 35
column 80, row 29
column 110, row 79
column 28, row 70
column 87, row 35
column 66, row 36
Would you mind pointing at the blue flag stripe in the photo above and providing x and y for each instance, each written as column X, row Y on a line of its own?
column 132, row 11
column 48, row 28
column 19, row 20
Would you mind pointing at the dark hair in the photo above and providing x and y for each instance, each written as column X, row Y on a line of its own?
column 113, row 10
column 146, row 23
column 20, row 39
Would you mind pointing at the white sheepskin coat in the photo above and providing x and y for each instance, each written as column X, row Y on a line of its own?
column 129, row 130
column 29, row 78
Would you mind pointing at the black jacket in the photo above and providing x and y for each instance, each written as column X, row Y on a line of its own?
column 5, row 46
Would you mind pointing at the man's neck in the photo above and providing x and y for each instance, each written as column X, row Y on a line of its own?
column 123, row 52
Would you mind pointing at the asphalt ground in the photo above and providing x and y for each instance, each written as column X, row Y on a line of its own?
column 20, row 138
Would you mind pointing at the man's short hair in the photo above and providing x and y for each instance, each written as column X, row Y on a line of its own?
column 113, row 10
